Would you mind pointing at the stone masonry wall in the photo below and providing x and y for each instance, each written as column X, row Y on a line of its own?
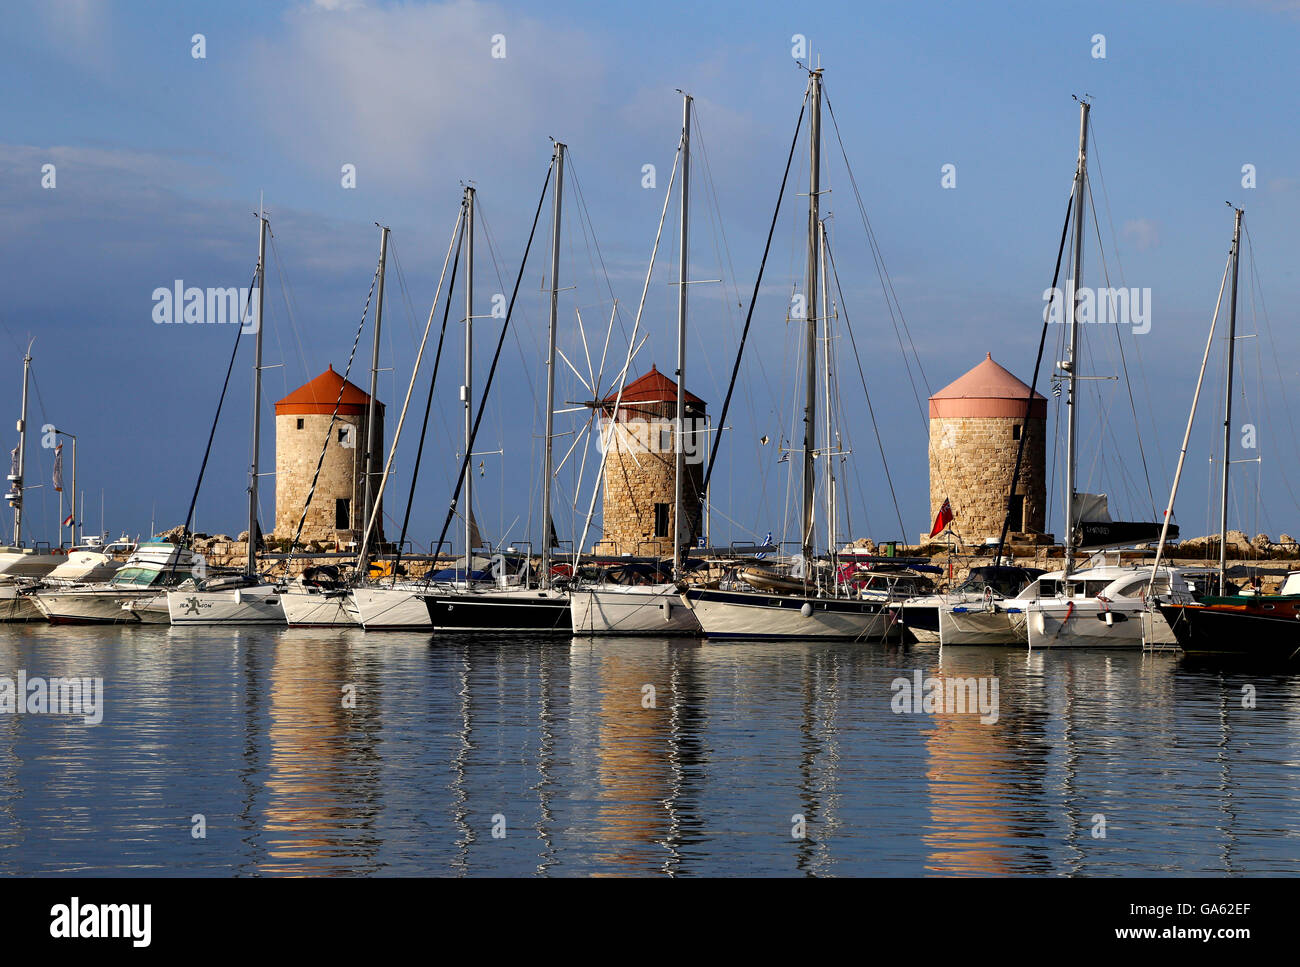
column 640, row 472
column 971, row 462
column 342, row 475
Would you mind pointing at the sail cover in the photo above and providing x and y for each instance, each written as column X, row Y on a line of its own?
column 1091, row 508
column 1097, row 531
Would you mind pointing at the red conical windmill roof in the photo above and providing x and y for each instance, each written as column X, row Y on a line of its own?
column 319, row 396
column 986, row 390
column 653, row 387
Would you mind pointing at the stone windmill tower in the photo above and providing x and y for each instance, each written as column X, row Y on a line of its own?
column 302, row 420
column 640, row 468
column 975, row 426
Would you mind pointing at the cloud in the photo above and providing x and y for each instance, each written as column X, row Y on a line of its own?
column 414, row 92
column 1142, row 232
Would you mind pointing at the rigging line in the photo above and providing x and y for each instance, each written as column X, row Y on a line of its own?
column 886, row 281
column 463, row 218
column 428, row 404
column 481, row 216
column 1033, row 382
column 1110, row 220
column 721, row 250
column 585, row 222
column 538, row 402
column 848, row 327
column 1123, row 359
column 735, row 523
column 753, row 301
column 287, row 292
column 239, row 331
column 632, row 350
column 406, row 295
column 329, row 430
column 478, row 417
column 39, row 455
column 1268, row 327
column 698, row 136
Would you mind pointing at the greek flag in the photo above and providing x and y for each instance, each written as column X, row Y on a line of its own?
column 766, row 541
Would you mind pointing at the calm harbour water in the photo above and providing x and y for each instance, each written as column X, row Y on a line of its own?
column 552, row 739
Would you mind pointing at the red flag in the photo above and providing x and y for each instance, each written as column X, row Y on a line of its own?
column 944, row 518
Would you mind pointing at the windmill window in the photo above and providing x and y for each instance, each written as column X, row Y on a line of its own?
column 342, row 513
column 1015, row 431
column 661, row 520
column 300, row 423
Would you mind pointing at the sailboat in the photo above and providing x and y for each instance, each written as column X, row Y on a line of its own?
column 19, row 563
column 320, row 598
column 1102, row 604
column 469, row 605
column 244, row 599
column 834, row 613
column 1242, row 625
column 396, row 604
column 652, row 609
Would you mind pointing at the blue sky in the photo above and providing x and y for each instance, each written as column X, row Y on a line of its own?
column 161, row 157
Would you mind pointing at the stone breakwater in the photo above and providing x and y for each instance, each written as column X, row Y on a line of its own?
column 1261, row 552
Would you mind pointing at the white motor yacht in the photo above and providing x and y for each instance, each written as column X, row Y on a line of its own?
column 151, row 568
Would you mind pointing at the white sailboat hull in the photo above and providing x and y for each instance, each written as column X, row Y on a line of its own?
column 258, row 605
column 740, row 614
column 317, row 609
column 151, row 609
column 972, row 625
column 391, row 609
column 654, row 609
column 17, row 607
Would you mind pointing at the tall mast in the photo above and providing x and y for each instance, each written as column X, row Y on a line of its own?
column 826, row 398
column 1227, row 405
column 810, row 311
column 373, row 446
column 548, row 471
column 465, row 390
column 250, row 567
column 16, row 479
column 1071, row 360
column 679, row 466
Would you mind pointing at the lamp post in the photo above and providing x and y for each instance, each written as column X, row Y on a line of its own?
column 72, row 527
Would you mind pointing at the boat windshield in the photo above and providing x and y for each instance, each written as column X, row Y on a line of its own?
column 1138, row 588
column 1007, row 583
column 138, row 577
column 1086, row 589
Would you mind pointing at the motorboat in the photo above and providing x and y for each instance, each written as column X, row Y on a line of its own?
column 145, row 576
column 983, row 587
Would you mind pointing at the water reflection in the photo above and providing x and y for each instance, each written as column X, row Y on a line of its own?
column 562, row 749
column 322, row 770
